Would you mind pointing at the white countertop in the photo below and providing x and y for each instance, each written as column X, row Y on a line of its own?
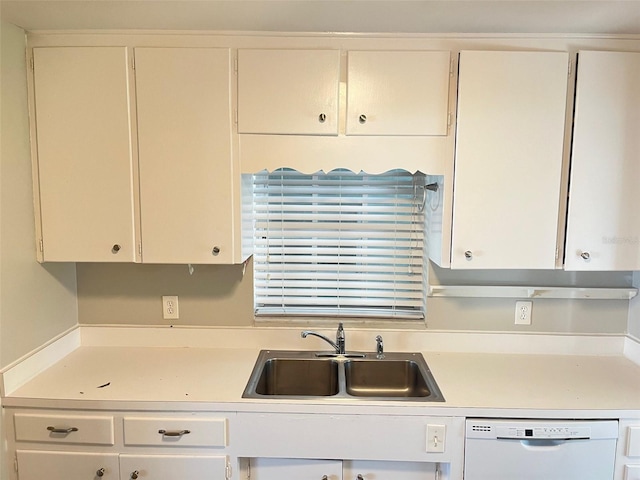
column 199, row 378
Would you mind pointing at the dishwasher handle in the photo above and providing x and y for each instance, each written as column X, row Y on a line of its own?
column 542, row 442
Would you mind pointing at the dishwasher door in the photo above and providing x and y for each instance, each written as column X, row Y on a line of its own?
column 540, row 449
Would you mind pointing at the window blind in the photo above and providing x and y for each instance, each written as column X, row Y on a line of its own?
column 339, row 244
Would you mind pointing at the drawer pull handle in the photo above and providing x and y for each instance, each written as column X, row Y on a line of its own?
column 100, row 472
column 65, row 431
column 174, row 433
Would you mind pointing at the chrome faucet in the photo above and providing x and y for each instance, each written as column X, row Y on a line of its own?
column 338, row 345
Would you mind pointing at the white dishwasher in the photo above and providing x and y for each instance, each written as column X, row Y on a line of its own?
column 540, row 449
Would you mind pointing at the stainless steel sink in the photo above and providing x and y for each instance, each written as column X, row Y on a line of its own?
column 300, row 377
column 387, row 378
column 322, row 375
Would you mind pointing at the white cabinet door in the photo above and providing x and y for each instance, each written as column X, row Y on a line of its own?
column 84, row 154
column 288, row 91
column 184, row 135
column 603, row 225
column 172, row 467
column 509, row 155
column 295, row 469
column 38, row 465
column 379, row 470
column 397, row 93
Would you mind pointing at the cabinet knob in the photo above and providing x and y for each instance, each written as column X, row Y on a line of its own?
column 359, row 477
column 322, row 118
column 216, row 250
column 585, row 255
column 135, row 474
column 468, row 254
column 100, row 472
column 362, row 118
column 324, row 477
column 115, row 249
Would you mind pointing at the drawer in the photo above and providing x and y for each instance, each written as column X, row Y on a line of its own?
column 184, row 432
column 97, row 430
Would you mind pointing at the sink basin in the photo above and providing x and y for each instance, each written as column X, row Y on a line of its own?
column 304, row 377
column 322, row 375
column 391, row 378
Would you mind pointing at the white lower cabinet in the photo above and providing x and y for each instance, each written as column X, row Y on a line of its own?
column 313, row 469
column 172, row 467
column 298, row 468
column 77, row 445
column 40, row 465
column 379, row 470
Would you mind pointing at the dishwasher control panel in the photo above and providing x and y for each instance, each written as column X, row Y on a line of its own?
column 544, row 432
column 540, row 429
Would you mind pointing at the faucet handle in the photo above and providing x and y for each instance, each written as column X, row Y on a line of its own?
column 341, row 339
column 379, row 346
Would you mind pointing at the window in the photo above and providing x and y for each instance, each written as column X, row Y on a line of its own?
column 339, row 244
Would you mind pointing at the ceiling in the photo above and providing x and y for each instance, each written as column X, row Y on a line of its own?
column 384, row 16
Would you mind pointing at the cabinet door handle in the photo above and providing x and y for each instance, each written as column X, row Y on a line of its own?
column 174, row 433
column 362, row 118
column 359, row 477
column 100, row 472
column 216, row 250
column 135, row 474
column 322, row 118
column 585, row 255
column 64, row 431
column 468, row 254
column 324, row 477
column 115, row 249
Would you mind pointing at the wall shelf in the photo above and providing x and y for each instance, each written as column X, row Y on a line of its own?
column 495, row 291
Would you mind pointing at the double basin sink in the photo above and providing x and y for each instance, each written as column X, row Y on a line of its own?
column 317, row 375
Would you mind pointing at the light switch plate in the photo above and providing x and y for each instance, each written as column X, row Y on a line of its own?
column 435, row 438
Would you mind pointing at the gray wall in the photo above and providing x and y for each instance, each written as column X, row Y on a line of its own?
column 37, row 302
column 221, row 295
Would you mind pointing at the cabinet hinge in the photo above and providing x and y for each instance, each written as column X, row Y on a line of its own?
column 235, row 64
column 570, row 67
column 140, row 249
column 133, row 62
column 451, row 64
column 227, row 470
column 15, row 462
column 235, row 116
column 557, row 253
column 32, row 64
column 449, row 119
column 41, row 244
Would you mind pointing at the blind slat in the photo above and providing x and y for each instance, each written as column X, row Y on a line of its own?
column 339, row 244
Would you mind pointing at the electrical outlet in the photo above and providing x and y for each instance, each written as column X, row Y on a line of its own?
column 170, row 307
column 523, row 313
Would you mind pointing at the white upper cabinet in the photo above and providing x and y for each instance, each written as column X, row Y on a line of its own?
column 83, row 154
column 185, row 157
column 288, row 91
column 509, row 157
column 603, row 225
column 397, row 92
